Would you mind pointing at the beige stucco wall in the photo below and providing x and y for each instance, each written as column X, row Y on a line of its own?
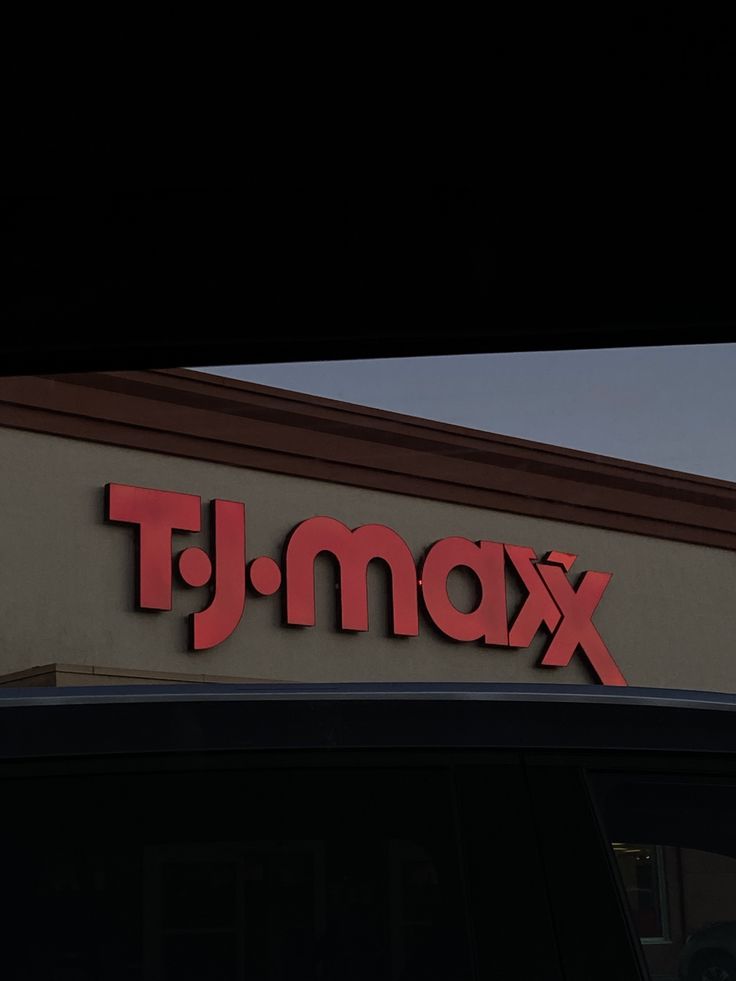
column 66, row 587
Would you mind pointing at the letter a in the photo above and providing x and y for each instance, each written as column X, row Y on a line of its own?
column 485, row 559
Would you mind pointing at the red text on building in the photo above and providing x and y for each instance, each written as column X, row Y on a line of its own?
column 551, row 602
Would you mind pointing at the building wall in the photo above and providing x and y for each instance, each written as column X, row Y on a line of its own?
column 668, row 616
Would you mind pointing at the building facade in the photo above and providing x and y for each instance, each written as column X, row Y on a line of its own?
column 498, row 560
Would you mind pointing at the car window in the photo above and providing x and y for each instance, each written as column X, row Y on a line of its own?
column 223, row 871
column 258, row 874
column 673, row 840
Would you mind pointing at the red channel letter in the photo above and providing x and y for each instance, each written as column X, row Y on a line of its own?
column 353, row 551
column 539, row 607
column 576, row 629
column 485, row 559
column 215, row 623
column 157, row 514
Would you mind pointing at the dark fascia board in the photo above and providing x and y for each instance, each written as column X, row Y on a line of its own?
column 202, row 416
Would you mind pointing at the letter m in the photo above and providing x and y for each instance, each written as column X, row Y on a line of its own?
column 353, row 551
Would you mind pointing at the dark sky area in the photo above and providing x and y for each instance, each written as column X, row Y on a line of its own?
column 671, row 407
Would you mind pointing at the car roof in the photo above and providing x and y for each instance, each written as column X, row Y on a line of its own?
column 107, row 720
column 373, row 691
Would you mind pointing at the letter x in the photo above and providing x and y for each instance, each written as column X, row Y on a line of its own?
column 539, row 607
column 576, row 629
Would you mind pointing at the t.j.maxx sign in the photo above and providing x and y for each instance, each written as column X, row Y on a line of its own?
column 550, row 602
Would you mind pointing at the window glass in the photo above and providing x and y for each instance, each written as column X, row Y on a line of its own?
column 642, row 869
column 674, row 844
column 268, row 875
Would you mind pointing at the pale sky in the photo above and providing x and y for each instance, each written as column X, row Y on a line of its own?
column 669, row 406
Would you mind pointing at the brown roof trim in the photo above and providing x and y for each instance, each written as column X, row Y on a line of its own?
column 192, row 414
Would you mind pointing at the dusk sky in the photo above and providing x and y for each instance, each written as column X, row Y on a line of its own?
column 669, row 406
